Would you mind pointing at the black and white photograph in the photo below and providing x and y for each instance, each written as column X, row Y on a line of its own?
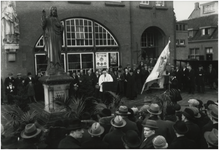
column 109, row 74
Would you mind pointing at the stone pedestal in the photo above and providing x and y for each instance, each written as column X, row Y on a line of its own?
column 55, row 87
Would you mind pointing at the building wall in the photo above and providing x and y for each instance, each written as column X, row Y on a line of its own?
column 202, row 45
column 126, row 23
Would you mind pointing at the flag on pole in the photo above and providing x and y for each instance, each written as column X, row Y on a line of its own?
column 156, row 75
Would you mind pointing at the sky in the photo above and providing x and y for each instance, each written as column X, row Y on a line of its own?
column 183, row 9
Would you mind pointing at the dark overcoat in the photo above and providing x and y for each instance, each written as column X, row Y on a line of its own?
column 95, row 143
column 69, row 143
column 182, row 143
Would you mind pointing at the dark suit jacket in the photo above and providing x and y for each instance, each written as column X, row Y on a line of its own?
column 114, row 139
column 194, row 132
column 182, row 143
column 69, row 143
column 130, row 125
column 147, row 144
column 95, row 143
column 7, row 80
column 165, row 128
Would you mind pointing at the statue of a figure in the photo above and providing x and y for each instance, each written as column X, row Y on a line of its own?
column 10, row 24
column 53, row 30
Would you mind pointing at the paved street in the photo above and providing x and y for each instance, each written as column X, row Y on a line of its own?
column 209, row 95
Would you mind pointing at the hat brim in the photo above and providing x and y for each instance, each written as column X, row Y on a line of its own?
column 122, row 114
column 130, row 145
column 206, row 135
column 153, row 113
column 159, row 147
column 122, row 125
column 101, row 132
column 152, row 127
column 198, row 116
column 28, row 137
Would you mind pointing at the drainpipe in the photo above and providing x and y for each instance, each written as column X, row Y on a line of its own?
column 130, row 10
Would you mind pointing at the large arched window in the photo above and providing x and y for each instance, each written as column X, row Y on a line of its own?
column 83, row 42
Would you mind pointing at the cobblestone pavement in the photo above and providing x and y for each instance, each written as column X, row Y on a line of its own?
column 139, row 101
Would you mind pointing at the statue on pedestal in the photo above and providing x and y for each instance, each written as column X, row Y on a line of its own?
column 53, row 31
column 10, row 24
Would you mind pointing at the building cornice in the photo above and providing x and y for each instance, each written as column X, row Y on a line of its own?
column 208, row 40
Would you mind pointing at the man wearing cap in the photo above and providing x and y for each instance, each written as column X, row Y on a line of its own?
column 164, row 126
column 193, row 133
column 181, row 141
column 149, row 133
column 200, row 79
column 76, row 131
column 95, row 142
column 131, row 140
column 130, row 125
column 114, row 138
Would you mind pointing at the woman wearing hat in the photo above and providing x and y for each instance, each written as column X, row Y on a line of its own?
column 95, row 142
column 114, row 138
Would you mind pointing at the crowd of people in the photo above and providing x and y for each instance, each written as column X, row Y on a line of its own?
column 195, row 127
column 21, row 85
column 127, row 82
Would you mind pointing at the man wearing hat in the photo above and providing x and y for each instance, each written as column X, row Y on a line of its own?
column 181, row 141
column 191, row 79
column 114, row 138
column 212, row 112
column 130, row 125
column 31, row 138
column 76, row 132
column 193, row 133
column 95, row 142
column 9, row 88
column 212, row 76
column 131, row 92
column 131, row 140
column 200, row 79
column 211, row 138
column 29, row 84
column 160, row 142
column 164, row 126
column 19, row 83
column 149, row 133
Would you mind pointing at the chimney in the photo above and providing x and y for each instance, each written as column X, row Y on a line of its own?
column 197, row 5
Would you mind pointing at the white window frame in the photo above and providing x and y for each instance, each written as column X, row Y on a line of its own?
column 79, row 32
column 209, row 50
column 145, row 2
column 106, row 38
column 194, row 55
column 159, row 3
column 44, row 55
column 80, row 59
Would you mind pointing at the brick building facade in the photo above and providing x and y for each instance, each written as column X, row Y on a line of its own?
column 122, row 32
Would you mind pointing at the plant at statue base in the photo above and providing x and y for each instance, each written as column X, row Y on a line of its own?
column 19, row 119
column 170, row 97
column 75, row 107
column 112, row 100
